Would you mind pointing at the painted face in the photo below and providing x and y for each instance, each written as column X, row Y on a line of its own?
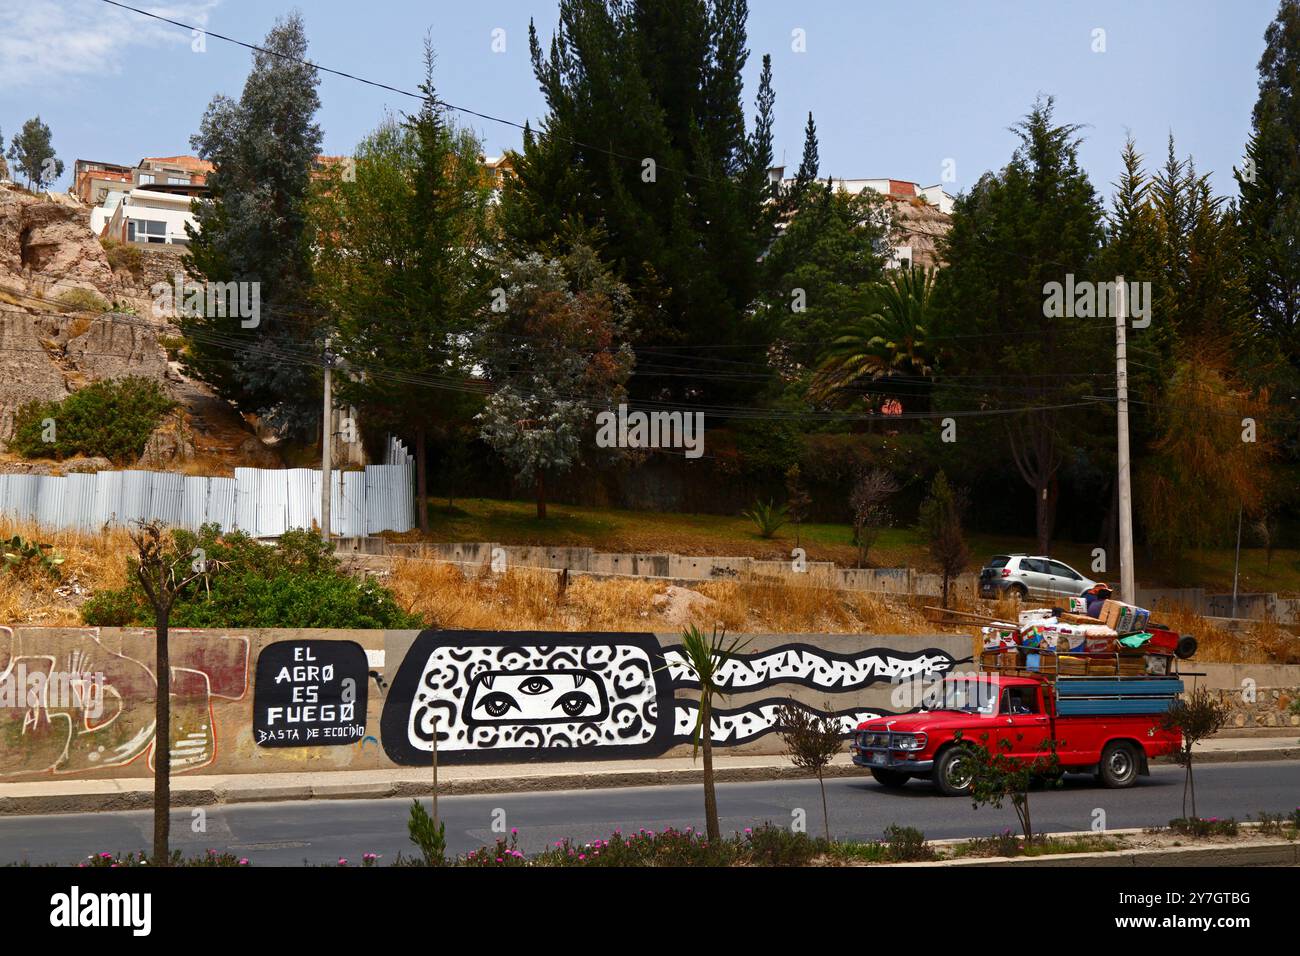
column 535, row 697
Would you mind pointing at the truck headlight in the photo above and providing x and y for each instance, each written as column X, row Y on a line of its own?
column 909, row 742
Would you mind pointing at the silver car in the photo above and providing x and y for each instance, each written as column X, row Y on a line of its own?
column 1030, row 576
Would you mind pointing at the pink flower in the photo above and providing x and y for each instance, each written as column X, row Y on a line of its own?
column 342, row 862
column 514, row 831
column 243, row 861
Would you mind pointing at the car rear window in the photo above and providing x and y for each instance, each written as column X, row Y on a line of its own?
column 998, row 561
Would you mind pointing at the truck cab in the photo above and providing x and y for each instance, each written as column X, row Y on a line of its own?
column 1108, row 727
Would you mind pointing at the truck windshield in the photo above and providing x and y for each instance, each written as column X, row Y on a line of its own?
column 970, row 696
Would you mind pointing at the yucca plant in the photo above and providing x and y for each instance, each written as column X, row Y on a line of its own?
column 18, row 553
column 705, row 657
column 768, row 518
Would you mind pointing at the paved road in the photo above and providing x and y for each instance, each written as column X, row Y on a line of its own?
column 320, row 831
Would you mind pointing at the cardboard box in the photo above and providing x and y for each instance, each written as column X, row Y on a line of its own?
column 1102, row 666
column 1099, row 645
column 1124, row 618
column 1071, row 665
column 1077, row 605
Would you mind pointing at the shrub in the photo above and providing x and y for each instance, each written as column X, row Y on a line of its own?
column 295, row 583
column 82, row 300
column 906, row 845
column 112, row 418
column 1204, row 827
column 18, row 555
column 431, row 840
column 122, row 257
column 767, row 517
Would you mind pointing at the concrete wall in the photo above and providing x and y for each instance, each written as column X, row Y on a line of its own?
column 675, row 566
column 627, row 695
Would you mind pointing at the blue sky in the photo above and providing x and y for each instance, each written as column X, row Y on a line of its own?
column 896, row 88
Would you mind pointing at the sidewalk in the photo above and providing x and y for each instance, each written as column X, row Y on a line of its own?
column 56, row 795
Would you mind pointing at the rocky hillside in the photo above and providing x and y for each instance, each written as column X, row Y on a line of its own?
column 49, row 347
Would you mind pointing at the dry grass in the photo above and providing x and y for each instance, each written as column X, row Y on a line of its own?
column 1264, row 643
column 91, row 561
column 526, row 598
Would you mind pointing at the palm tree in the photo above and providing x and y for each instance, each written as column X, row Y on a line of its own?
column 892, row 340
column 705, row 657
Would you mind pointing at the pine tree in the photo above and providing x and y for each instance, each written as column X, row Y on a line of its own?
column 401, row 274
column 644, row 141
column 1269, row 181
column 1012, row 235
column 263, row 148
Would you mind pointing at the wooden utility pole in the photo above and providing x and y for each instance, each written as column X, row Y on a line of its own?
column 326, row 451
column 1127, row 588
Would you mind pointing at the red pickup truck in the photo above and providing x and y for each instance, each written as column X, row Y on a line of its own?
column 1107, row 726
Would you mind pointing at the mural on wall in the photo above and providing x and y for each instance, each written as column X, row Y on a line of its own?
column 91, row 706
column 543, row 695
column 310, row 693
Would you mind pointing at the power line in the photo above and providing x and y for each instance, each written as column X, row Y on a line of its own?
column 401, row 92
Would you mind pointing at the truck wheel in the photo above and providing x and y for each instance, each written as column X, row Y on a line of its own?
column 952, row 772
column 893, row 779
column 1118, row 767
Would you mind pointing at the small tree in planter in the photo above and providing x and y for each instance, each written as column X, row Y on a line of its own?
column 811, row 741
column 705, row 657
column 164, row 572
column 996, row 776
column 1198, row 716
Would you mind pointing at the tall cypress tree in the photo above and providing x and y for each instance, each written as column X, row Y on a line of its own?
column 1012, row 235
column 1269, row 180
column 645, row 143
column 255, row 229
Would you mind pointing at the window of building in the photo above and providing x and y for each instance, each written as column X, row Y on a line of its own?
column 146, row 230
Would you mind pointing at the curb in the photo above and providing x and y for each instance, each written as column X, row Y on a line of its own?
column 1272, row 853
column 141, row 798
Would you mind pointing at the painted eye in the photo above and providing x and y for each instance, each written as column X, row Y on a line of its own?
column 498, row 703
column 535, row 685
column 574, row 703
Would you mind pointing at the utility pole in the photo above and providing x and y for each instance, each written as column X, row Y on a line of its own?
column 1127, row 589
column 326, row 451
column 1236, row 567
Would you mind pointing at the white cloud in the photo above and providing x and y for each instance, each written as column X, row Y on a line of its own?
column 56, row 41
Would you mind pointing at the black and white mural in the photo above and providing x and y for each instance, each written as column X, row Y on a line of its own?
column 541, row 695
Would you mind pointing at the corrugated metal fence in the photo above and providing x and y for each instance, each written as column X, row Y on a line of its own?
column 262, row 502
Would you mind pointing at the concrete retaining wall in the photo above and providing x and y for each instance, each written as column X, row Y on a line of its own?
column 502, row 696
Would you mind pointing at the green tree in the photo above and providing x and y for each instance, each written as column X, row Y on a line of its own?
column 1269, row 183
column 1196, row 717
column 555, row 355
column 811, row 742
column 263, row 148
column 32, row 153
column 820, row 274
column 645, row 139
column 705, row 657
column 1015, row 234
column 941, row 525
column 892, row 339
column 401, row 272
